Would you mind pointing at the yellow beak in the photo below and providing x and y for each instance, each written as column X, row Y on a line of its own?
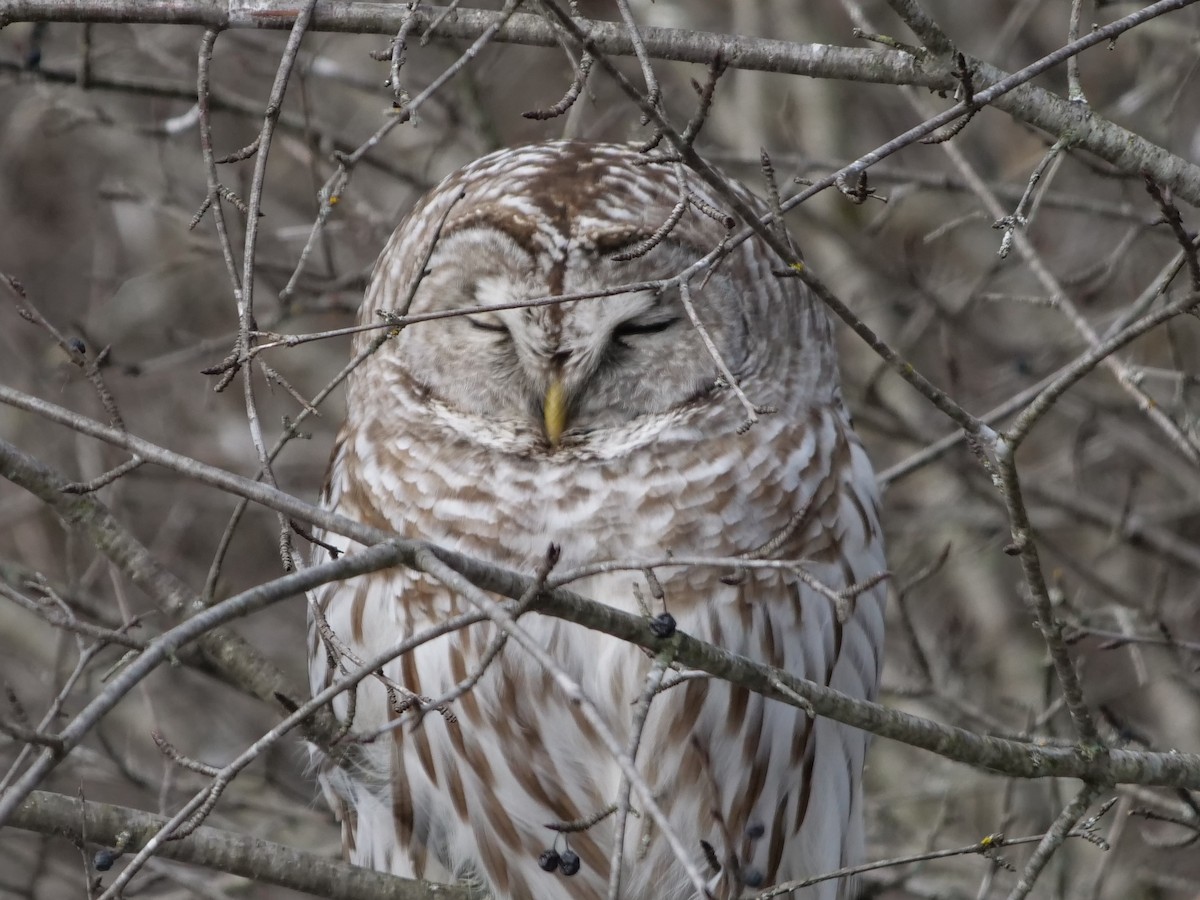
column 554, row 411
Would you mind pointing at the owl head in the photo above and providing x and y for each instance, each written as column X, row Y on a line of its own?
column 569, row 218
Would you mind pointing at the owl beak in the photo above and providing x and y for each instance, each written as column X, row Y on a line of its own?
column 554, row 411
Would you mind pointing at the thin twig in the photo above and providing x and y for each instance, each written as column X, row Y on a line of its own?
column 1059, row 832
column 753, row 411
column 984, row 847
column 1074, row 86
column 641, row 711
column 1174, row 220
column 1020, row 217
column 1051, row 627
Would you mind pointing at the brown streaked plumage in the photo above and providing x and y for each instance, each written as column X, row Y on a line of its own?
column 601, row 425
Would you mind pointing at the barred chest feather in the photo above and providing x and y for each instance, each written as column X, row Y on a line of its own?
column 749, row 784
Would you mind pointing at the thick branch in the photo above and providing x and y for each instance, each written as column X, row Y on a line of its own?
column 353, row 17
column 224, row 851
column 1124, row 149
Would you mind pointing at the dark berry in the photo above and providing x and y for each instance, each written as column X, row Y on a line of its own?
column 550, row 859
column 662, row 625
column 78, row 346
column 570, row 862
column 104, row 859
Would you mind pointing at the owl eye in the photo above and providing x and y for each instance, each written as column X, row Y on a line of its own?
column 495, row 327
column 630, row 328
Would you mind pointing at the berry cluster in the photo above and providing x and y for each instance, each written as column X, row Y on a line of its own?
column 567, row 862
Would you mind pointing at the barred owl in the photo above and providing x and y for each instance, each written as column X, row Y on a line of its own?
column 601, row 425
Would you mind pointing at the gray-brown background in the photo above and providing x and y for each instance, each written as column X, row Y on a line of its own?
column 97, row 188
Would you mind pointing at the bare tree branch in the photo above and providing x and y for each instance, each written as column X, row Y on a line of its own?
column 264, row 862
column 1126, row 150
